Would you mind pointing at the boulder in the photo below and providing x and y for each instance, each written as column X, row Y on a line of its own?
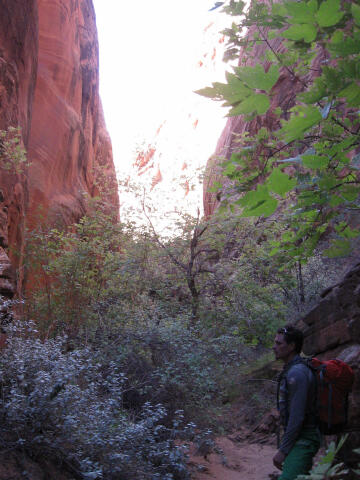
column 332, row 330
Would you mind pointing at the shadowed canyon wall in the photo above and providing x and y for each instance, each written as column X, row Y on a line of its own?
column 332, row 330
column 49, row 86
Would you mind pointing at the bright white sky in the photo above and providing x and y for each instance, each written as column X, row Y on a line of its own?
column 149, row 67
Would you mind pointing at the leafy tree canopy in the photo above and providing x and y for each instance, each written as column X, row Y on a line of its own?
column 312, row 156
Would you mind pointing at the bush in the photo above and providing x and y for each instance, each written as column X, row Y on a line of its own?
column 67, row 401
column 170, row 364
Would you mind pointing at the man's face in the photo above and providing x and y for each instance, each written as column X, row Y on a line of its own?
column 282, row 350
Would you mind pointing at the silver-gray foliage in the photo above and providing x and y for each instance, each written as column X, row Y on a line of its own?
column 55, row 400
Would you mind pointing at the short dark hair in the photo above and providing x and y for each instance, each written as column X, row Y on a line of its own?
column 292, row 335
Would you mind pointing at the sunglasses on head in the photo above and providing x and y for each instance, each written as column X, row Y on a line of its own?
column 283, row 331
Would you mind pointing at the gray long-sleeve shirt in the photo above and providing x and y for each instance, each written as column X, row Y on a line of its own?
column 297, row 401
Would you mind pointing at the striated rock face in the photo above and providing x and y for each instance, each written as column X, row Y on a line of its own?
column 68, row 143
column 49, row 86
column 18, row 62
column 332, row 330
column 18, row 69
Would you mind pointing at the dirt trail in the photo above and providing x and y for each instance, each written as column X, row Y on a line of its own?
column 233, row 460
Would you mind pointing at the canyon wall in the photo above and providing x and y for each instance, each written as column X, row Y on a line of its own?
column 18, row 71
column 332, row 330
column 49, row 86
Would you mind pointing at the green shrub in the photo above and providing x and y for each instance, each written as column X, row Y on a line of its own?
column 328, row 467
column 68, row 401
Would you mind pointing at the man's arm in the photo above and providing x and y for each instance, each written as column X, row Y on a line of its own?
column 297, row 387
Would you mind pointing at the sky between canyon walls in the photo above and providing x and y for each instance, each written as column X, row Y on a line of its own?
column 153, row 55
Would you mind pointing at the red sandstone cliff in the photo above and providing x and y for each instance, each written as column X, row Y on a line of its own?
column 18, row 70
column 49, row 86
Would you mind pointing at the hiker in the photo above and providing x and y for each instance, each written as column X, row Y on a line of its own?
column 297, row 407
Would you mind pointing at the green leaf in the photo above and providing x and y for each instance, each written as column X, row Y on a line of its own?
column 293, row 33
column 256, row 103
column 263, row 208
column 349, row 233
column 287, row 237
column 208, row 92
column 300, row 121
column 258, row 202
column 310, row 33
column 312, row 6
column 343, row 146
column 215, row 187
column 337, row 37
column 261, row 103
column 333, row 79
column 234, row 82
column 355, row 10
column 351, row 68
column 329, row 14
column 317, row 92
column 236, row 8
column 280, row 183
column 256, row 77
column 350, row 192
column 339, row 248
column 302, row 12
column 315, row 161
column 279, row 10
column 234, row 91
column 236, row 158
column 309, row 198
column 335, row 201
column 327, row 182
column 230, row 169
column 300, row 32
column 349, row 46
column 352, row 94
column 310, row 215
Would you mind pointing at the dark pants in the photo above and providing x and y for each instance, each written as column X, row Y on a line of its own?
column 299, row 460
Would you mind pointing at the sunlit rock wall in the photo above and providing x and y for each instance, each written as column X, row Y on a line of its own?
column 69, row 146
column 49, row 83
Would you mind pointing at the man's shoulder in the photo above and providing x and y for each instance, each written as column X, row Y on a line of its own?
column 299, row 371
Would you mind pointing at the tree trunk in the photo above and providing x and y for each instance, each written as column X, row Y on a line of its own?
column 300, row 283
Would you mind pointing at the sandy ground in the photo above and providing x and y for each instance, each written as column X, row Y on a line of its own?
column 234, row 460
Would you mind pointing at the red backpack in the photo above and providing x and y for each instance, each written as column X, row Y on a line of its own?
column 334, row 383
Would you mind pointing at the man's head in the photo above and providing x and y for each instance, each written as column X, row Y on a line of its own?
column 288, row 343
